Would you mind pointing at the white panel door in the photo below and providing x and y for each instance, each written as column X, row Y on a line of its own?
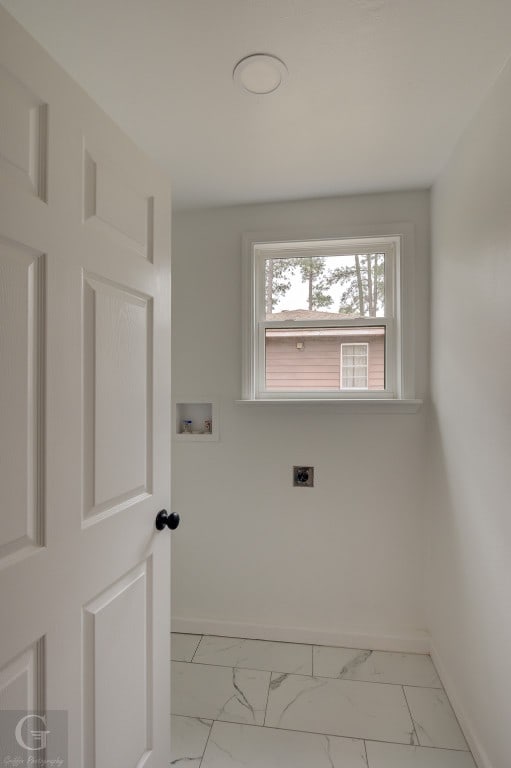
column 84, row 417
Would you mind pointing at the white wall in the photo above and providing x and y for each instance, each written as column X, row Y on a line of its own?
column 340, row 563
column 470, row 557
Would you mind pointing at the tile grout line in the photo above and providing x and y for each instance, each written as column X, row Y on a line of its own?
column 333, row 735
column 196, row 649
column 312, row 646
column 301, row 674
column 365, row 750
column 411, row 717
column 318, row 645
column 207, row 742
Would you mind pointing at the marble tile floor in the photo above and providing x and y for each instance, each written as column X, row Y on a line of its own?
column 262, row 704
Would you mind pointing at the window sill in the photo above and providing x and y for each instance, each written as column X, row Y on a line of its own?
column 375, row 406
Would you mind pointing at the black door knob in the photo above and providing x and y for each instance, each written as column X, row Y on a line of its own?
column 164, row 519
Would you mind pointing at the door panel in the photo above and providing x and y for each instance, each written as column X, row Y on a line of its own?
column 117, row 395
column 114, row 697
column 113, row 202
column 23, row 135
column 21, row 680
column 84, row 417
column 21, row 336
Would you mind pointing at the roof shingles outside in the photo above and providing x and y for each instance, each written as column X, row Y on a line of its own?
column 309, row 314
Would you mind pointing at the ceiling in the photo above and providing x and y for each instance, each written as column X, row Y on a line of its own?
column 378, row 90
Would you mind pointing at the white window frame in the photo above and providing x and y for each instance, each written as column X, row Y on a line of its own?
column 396, row 241
column 354, row 344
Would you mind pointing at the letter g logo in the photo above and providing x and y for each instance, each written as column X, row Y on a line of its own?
column 38, row 737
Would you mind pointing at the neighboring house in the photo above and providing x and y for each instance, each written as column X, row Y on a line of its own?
column 324, row 358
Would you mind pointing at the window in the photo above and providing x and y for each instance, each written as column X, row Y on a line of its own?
column 354, row 366
column 322, row 319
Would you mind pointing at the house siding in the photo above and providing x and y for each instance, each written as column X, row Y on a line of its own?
column 318, row 364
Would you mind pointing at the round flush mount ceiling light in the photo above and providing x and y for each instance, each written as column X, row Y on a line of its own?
column 260, row 73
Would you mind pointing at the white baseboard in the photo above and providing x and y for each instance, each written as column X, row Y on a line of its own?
column 467, row 726
column 417, row 642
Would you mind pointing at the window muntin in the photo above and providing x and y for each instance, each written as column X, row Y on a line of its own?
column 344, row 310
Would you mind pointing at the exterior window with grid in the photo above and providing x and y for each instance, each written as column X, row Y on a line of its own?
column 354, row 366
column 322, row 319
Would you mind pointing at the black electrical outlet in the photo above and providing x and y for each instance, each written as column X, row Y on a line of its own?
column 303, row 477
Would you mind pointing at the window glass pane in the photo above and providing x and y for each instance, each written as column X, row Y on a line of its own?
column 324, row 359
column 325, row 287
